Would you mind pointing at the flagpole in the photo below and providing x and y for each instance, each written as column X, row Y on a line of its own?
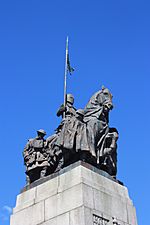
column 65, row 76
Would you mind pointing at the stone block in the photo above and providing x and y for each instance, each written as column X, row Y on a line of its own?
column 99, row 182
column 30, row 216
column 23, row 206
column 25, row 200
column 46, row 189
column 69, row 179
column 88, row 197
column 88, row 216
column 63, row 202
column 114, row 207
column 131, row 215
column 122, row 191
column 26, row 196
column 77, row 216
column 50, row 222
column 63, row 219
column 51, row 207
column 59, row 220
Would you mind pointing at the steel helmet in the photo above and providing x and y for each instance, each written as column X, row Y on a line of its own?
column 70, row 98
column 41, row 131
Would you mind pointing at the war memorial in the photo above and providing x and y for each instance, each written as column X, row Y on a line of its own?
column 71, row 176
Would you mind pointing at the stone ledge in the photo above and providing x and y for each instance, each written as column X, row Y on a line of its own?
column 32, row 215
column 68, row 168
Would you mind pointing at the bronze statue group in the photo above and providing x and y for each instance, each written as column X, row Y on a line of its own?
column 83, row 134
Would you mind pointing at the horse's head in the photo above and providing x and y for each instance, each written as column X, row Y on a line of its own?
column 106, row 99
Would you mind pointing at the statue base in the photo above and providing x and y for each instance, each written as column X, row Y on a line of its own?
column 79, row 194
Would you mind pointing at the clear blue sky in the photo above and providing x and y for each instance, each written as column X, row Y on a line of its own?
column 109, row 45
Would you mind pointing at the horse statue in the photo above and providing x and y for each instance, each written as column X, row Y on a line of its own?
column 96, row 117
column 83, row 134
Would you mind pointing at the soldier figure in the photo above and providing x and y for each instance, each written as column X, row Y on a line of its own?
column 36, row 158
column 69, row 108
column 108, row 153
column 60, row 142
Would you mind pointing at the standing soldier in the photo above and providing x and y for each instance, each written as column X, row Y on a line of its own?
column 36, row 157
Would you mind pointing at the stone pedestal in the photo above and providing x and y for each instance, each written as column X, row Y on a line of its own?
column 78, row 195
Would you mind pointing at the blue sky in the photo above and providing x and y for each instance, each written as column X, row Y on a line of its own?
column 109, row 45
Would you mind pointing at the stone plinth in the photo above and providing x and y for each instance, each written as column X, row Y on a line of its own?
column 79, row 195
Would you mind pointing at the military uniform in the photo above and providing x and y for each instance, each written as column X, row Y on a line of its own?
column 36, row 158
